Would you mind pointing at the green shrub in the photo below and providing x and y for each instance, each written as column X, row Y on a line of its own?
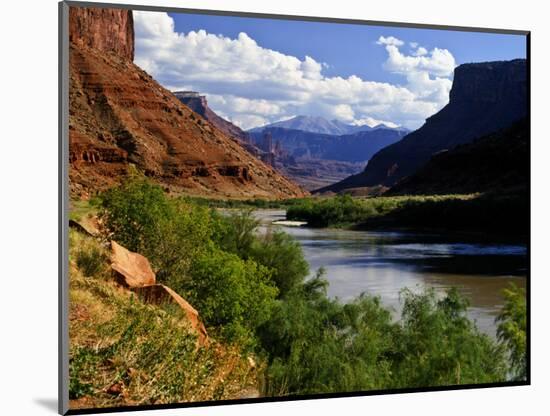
column 440, row 346
column 511, row 330
column 232, row 294
column 283, row 255
column 317, row 345
column 170, row 233
column 236, row 232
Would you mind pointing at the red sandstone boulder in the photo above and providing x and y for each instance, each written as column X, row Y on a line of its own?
column 131, row 269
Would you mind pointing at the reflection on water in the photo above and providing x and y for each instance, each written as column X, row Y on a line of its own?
column 382, row 263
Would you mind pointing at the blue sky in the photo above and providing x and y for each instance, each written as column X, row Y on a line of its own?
column 255, row 71
column 351, row 49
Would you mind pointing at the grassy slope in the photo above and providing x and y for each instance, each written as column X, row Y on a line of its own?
column 123, row 352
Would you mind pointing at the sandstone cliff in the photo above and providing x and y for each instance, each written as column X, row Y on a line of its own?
column 485, row 97
column 108, row 30
column 199, row 105
column 119, row 115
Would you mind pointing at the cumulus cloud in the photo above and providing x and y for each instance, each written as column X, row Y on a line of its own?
column 251, row 85
column 439, row 62
column 421, row 51
column 390, row 40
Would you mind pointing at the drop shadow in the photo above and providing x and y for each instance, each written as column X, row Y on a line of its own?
column 48, row 404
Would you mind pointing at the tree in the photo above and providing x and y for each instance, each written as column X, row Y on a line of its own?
column 511, row 330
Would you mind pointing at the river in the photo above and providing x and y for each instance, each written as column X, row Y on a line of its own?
column 382, row 263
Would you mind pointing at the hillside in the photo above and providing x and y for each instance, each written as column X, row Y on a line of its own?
column 485, row 97
column 497, row 162
column 199, row 105
column 126, row 352
column 119, row 115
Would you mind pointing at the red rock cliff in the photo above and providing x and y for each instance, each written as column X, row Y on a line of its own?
column 119, row 115
column 108, row 30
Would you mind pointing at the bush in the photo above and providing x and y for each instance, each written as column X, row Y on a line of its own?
column 82, row 364
column 440, row 346
column 317, row 345
column 170, row 233
column 232, row 294
column 235, row 232
column 511, row 330
column 283, row 255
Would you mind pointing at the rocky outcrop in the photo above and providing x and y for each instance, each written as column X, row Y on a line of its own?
column 118, row 115
column 161, row 295
column 496, row 163
column 485, row 97
column 133, row 271
column 105, row 29
column 199, row 105
column 130, row 269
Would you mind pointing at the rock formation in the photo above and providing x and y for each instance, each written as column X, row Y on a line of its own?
column 107, row 30
column 485, row 97
column 161, row 295
column 315, row 160
column 498, row 162
column 199, row 105
column 356, row 147
column 130, row 269
column 118, row 115
column 133, row 271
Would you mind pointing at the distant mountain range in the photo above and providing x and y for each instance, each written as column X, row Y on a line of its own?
column 315, row 124
column 356, row 147
column 485, row 97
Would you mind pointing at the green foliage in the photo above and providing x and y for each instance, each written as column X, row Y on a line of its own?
column 320, row 345
column 232, row 294
column 235, row 232
column 440, row 346
column 90, row 259
column 170, row 233
column 511, row 330
column 82, row 364
column 283, row 256
column 242, row 204
column 473, row 212
column 344, row 210
column 252, row 290
column 317, row 345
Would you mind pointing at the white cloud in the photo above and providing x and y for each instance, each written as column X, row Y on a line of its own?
column 390, row 40
column 413, row 45
column 438, row 62
column 251, row 85
column 421, row 51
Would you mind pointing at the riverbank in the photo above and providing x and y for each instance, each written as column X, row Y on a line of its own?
column 502, row 216
column 382, row 262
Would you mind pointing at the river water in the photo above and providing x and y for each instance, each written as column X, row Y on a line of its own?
column 382, row 263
